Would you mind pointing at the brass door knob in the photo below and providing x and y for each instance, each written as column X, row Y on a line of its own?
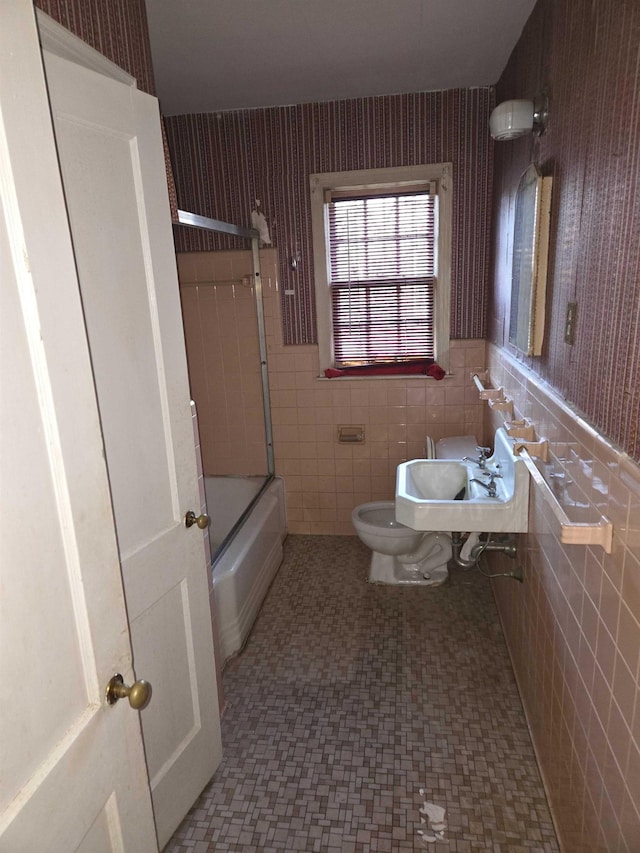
column 138, row 694
column 203, row 521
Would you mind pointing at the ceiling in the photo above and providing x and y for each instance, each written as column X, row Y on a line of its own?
column 213, row 55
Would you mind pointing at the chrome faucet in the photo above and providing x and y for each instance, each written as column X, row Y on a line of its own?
column 490, row 485
column 485, row 453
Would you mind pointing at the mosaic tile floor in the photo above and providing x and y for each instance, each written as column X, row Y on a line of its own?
column 353, row 704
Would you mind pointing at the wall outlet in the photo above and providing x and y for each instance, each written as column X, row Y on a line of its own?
column 570, row 323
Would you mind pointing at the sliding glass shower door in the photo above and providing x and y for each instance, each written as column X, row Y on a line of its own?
column 224, row 331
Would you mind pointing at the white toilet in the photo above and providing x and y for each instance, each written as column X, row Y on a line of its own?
column 401, row 555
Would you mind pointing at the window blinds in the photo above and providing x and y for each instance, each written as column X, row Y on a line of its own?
column 382, row 277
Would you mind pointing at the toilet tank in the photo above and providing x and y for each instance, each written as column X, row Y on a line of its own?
column 456, row 447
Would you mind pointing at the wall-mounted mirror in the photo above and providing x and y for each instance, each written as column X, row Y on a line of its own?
column 530, row 254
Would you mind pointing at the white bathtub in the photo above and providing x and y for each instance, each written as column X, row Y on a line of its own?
column 244, row 570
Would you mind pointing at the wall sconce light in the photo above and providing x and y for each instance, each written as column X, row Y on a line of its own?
column 511, row 119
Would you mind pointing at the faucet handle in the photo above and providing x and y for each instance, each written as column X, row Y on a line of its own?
column 485, row 452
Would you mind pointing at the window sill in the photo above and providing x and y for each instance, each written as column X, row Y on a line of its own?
column 415, row 367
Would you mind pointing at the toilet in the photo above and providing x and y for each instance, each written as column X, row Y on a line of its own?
column 401, row 555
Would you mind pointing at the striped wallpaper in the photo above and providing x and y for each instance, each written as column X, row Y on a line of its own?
column 587, row 55
column 222, row 162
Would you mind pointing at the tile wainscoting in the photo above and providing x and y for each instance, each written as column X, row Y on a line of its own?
column 573, row 628
column 325, row 479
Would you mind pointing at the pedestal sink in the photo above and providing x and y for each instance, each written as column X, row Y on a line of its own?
column 441, row 495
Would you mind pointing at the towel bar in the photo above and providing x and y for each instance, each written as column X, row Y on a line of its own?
column 487, row 393
column 569, row 532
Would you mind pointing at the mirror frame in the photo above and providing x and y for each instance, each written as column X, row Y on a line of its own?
column 530, row 258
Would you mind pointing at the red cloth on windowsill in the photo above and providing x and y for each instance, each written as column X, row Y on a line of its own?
column 425, row 366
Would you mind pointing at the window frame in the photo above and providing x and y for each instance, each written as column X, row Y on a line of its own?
column 363, row 180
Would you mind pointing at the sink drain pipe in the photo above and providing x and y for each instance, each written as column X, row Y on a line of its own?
column 506, row 545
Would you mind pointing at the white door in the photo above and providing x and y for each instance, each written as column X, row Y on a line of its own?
column 112, row 163
column 72, row 768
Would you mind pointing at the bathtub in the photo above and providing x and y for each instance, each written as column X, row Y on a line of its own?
column 246, row 565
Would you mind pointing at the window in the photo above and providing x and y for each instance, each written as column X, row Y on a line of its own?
column 381, row 277
column 383, row 293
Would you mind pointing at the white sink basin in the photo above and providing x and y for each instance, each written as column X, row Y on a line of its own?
column 440, row 495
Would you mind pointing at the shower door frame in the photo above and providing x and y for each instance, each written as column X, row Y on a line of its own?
column 193, row 220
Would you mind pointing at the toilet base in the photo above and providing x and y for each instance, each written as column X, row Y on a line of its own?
column 386, row 569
